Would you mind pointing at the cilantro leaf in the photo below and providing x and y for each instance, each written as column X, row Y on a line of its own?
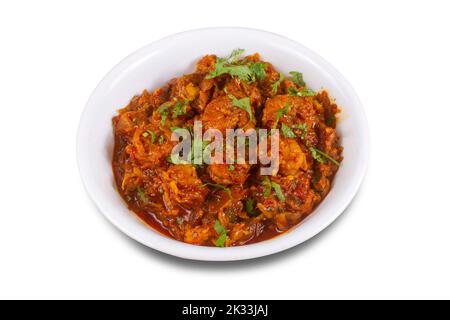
column 243, row 72
column 280, row 112
column 218, row 186
column 316, row 156
column 267, row 186
column 179, row 109
column 305, row 92
column 320, row 156
column 164, row 107
column 250, row 206
column 151, row 133
column 278, row 192
column 163, row 119
column 297, row 77
column 219, row 228
column 277, row 83
column 220, row 242
column 302, row 127
column 243, row 104
column 228, row 66
column 237, row 67
column 287, row 132
column 258, row 70
column 153, row 136
column 222, row 232
column 142, row 195
column 235, row 55
column 163, row 110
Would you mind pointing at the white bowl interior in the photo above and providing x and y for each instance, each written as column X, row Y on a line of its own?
column 153, row 66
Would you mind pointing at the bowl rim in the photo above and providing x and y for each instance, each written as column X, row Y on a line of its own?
column 251, row 251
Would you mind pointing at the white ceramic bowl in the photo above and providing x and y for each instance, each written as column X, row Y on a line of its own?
column 157, row 63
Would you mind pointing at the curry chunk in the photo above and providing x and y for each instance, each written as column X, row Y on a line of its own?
column 183, row 187
column 220, row 114
column 292, row 157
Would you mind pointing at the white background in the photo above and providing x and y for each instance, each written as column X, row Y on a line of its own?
column 392, row 242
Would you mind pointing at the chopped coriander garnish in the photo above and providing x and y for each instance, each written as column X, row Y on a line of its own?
column 302, row 127
column 228, row 66
column 219, row 228
column 231, row 167
column 277, row 83
column 222, row 232
column 142, row 195
column 269, row 185
column 297, row 77
column 153, row 136
column 278, row 192
column 237, row 67
column 163, row 111
column 308, row 92
column 164, row 107
column 220, row 242
column 243, row 104
column 163, row 119
column 292, row 91
column 149, row 133
column 243, row 72
column 250, row 206
column 316, row 156
column 178, row 110
column 320, row 155
column 287, row 132
column 235, row 55
column 161, row 140
column 258, row 70
column 281, row 112
column 180, row 220
column 218, row 186
column 305, row 92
